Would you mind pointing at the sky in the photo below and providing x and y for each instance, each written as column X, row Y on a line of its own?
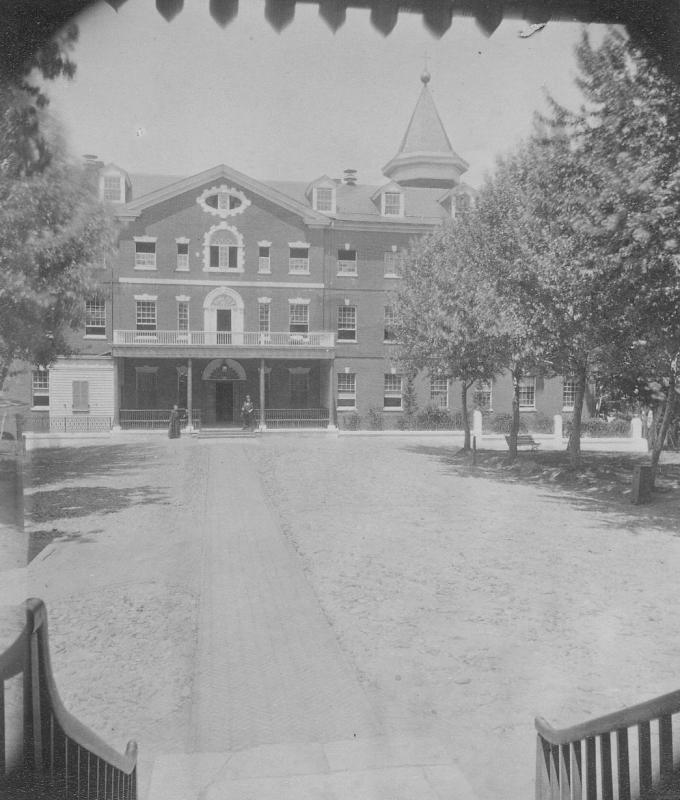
column 179, row 97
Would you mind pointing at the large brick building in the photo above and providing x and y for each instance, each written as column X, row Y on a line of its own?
column 224, row 286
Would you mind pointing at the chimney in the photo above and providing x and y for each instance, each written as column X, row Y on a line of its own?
column 350, row 177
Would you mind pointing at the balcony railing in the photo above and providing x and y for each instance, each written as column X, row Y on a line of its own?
column 229, row 338
column 51, row 753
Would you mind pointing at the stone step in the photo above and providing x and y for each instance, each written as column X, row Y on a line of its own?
column 382, row 768
column 224, row 433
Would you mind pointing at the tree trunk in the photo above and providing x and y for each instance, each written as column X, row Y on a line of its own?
column 670, row 405
column 574, row 445
column 514, row 427
column 467, row 445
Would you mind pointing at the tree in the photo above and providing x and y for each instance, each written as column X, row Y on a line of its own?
column 52, row 228
column 53, row 232
column 447, row 320
column 624, row 140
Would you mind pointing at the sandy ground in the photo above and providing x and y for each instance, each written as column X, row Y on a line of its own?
column 466, row 605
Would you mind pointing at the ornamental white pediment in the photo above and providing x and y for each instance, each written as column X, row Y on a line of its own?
column 223, row 201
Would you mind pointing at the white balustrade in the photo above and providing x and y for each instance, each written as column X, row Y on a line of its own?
column 223, row 338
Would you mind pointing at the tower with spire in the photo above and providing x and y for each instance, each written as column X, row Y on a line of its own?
column 425, row 156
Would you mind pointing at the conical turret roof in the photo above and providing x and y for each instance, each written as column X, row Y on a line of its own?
column 425, row 156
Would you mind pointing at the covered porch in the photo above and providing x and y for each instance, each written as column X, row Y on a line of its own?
column 285, row 392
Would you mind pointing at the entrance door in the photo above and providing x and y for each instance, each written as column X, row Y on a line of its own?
column 223, row 321
column 224, row 402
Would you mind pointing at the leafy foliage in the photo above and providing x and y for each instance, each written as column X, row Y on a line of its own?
column 52, row 229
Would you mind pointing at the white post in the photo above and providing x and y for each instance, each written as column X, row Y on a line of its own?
column 263, row 420
column 557, row 427
column 636, row 428
column 477, row 423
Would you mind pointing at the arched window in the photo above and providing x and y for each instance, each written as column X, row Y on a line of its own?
column 223, row 250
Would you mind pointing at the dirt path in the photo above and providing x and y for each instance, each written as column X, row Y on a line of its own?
column 465, row 605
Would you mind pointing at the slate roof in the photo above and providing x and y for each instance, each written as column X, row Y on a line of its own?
column 354, row 203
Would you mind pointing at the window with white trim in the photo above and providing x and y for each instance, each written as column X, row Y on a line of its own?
column 482, row 397
column 439, row 392
column 347, row 391
column 347, row 262
column 392, row 392
column 324, row 199
column 391, row 264
column 298, row 260
column 568, row 394
column 81, row 396
column 223, row 249
column 146, row 315
column 224, row 256
column 112, row 189
column 264, row 317
column 390, row 321
column 264, row 258
column 527, row 393
column 95, row 317
column 298, row 318
column 145, row 254
column 40, row 388
column 183, row 315
column 183, row 256
column 392, row 204
column 347, row 323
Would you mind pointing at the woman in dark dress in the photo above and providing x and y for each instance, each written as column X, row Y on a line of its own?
column 174, row 428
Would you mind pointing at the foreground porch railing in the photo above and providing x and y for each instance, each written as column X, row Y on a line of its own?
column 294, row 417
column 59, row 757
column 623, row 755
column 233, row 338
column 142, row 419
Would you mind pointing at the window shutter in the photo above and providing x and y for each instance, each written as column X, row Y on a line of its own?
column 81, row 396
column 233, row 257
column 214, row 256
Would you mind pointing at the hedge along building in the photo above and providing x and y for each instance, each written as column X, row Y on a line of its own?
column 225, row 286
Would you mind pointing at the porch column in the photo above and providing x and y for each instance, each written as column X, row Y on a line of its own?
column 116, row 395
column 263, row 424
column 190, row 399
column 332, row 411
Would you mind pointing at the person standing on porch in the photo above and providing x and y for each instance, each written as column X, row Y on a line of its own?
column 247, row 411
column 174, row 429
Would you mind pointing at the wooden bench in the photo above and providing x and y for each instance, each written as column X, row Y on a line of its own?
column 525, row 440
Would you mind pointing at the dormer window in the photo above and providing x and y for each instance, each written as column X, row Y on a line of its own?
column 112, row 189
column 461, row 205
column 113, row 183
column 324, row 199
column 321, row 194
column 392, row 204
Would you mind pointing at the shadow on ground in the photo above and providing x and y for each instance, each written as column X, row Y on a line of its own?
column 79, row 501
column 602, row 483
column 38, row 540
column 43, row 467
